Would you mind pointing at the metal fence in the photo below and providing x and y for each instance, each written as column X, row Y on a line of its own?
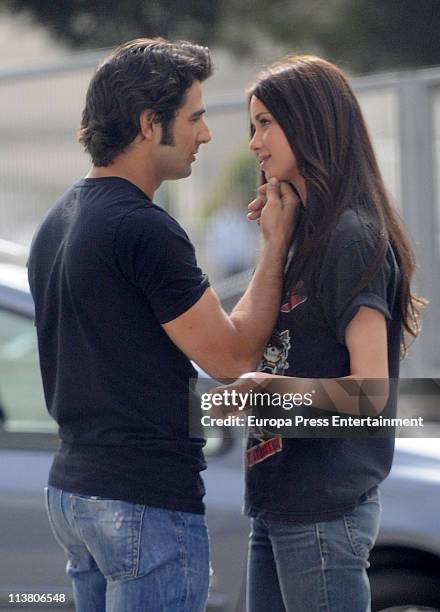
column 40, row 158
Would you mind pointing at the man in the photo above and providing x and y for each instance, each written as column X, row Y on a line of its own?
column 121, row 308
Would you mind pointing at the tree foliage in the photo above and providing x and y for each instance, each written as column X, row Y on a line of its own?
column 364, row 35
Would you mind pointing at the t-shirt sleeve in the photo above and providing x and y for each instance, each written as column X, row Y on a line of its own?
column 154, row 253
column 344, row 266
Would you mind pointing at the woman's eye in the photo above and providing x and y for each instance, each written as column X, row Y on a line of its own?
column 264, row 122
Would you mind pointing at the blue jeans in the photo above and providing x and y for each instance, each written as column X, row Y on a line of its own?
column 125, row 557
column 317, row 567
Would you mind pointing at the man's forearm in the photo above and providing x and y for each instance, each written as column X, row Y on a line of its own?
column 255, row 315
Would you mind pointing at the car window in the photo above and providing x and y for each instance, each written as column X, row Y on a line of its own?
column 22, row 406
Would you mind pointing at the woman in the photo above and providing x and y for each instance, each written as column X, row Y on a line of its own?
column 345, row 312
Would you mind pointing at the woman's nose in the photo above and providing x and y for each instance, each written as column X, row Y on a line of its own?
column 254, row 143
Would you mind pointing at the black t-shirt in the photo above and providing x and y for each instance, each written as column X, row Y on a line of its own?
column 107, row 268
column 316, row 479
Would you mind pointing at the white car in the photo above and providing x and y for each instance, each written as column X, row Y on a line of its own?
column 405, row 563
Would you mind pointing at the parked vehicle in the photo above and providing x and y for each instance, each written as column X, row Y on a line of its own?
column 405, row 564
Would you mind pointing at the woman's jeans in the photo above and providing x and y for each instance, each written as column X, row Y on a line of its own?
column 125, row 557
column 317, row 567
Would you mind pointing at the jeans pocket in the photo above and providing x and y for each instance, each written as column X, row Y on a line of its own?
column 372, row 495
column 75, row 552
column 51, row 518
column 362, row 525
column 55, row 516
column 175, row 550
column 111, row 531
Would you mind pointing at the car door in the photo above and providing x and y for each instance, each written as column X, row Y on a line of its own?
column 31, row 562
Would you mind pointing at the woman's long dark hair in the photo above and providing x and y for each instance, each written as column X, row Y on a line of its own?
column 316, row 108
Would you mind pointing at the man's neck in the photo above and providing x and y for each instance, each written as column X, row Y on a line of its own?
column 121, row 170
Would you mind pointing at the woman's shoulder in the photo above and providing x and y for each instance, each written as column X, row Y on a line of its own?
column 351, row 228
column 352, row 224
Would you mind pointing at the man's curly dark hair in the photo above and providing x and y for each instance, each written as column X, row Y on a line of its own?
column 141, row 74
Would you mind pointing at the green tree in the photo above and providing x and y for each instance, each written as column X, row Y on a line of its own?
column 364, row 35
column 102, row 23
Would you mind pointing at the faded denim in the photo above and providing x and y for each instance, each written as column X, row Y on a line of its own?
column 125, row 557
column 316, row 567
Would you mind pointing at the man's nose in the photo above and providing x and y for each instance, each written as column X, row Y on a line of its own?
column 205, row 136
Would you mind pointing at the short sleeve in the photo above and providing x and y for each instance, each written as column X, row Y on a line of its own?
column 344, row 266
column 154, row 253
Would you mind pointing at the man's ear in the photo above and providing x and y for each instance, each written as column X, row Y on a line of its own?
column 148, row 124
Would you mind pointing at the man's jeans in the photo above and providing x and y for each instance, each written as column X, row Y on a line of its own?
column 125, row 557
column 317, row 567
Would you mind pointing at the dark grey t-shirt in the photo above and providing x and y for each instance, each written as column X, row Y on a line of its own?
column 316, row 479
column 107, row 268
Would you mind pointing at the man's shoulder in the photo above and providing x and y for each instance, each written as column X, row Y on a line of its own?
column 149, row 218
column 117, row 202
column 66, row 197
